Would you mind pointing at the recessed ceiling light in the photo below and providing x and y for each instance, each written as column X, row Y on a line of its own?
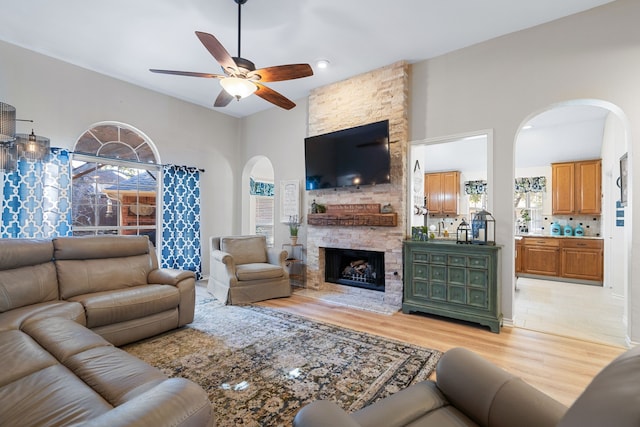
column 322, row 63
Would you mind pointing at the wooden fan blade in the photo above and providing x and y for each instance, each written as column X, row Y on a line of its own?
column 218, row 51
column 282, row 72
column 273, row 97
column 223, row 99
column 188, row 73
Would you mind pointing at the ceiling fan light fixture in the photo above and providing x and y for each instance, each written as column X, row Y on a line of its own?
column 33, row 147
column 237, row 87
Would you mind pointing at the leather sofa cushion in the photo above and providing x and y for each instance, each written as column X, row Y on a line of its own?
column 15, row 319
column 258, row 271
column 114, row 374
column 109, row 307
column 611, row 399
column 78, row 277
column 21, row 356
column 27, row 285
column 48, row 397
column 16, row 253
column 245, row 249
column 98, row 247
column 62, row 338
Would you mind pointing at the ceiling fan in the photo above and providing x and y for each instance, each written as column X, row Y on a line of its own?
column 240, row 78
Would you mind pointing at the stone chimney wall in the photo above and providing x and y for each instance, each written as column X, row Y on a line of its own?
column 374, row 96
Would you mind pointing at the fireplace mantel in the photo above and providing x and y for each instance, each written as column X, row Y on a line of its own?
column 354, row 215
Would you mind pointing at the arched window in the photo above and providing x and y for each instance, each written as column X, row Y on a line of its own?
column 115, row 174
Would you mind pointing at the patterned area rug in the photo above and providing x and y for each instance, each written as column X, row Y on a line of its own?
column 260, row 365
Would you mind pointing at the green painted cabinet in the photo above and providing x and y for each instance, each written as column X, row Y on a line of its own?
column 456, row 281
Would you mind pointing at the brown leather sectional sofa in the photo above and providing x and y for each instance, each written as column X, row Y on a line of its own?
column 65, row 304
column 471, row 391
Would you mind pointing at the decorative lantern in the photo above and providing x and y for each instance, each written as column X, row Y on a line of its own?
column 483, row 227
column 463, row 234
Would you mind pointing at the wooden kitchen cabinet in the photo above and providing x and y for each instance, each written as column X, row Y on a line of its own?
column 576, row 187
column 442, row 190
column 541, row 256
column 561, row 258
column 519, row 256
column 582, row 259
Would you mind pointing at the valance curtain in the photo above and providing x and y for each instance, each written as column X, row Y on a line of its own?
column 181, row 247
column 36, row 200
column 258, row 188
column 475, row 187
column 533, row 184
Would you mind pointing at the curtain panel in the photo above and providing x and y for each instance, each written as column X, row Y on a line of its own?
column 258, row 188
column 533, row 184
column 475, row 187
column 36, row 200
column 181, row 248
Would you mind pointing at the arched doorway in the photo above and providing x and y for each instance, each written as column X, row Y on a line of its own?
column 573, row 131
column 258, row 198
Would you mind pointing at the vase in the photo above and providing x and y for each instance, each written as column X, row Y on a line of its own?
column 294, row 240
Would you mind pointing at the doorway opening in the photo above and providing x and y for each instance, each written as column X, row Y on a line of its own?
column 570, row 132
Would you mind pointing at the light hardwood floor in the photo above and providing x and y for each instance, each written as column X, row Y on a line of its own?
column 561, row 367
column 591, row 313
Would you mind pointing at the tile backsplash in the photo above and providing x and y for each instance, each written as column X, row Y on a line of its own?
column 590, row 223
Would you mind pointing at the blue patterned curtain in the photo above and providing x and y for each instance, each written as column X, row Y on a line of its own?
column 181, row 219
column 257, row 188
column 36, row 200
column 534, row 184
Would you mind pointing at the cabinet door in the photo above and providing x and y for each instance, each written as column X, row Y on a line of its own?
column 433, row 192
column 450, row 192
column 582, row 259
column 541, row 260
column 562, row 188
column 588, row 187
column 583, row 264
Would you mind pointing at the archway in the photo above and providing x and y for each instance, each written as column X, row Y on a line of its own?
column 561, row 132
column 258, row 196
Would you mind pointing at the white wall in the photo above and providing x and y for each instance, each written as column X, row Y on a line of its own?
column 499, row 84
column 279, row 135
column 65, row 100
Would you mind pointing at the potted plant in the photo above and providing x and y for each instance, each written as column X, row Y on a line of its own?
column 294, row 227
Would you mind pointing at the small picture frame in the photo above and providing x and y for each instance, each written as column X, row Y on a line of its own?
column 289, row 200
column 622, row 180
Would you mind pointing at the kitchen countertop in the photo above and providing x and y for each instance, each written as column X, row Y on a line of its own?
column 520, row 236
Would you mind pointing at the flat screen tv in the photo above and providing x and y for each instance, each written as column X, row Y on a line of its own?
column 349, row 157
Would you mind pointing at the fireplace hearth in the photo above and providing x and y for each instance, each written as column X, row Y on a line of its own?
column 352, row 267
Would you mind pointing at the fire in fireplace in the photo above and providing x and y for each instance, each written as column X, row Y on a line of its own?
column 351, row 267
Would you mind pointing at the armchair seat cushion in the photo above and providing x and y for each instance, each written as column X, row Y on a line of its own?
column 258, row 271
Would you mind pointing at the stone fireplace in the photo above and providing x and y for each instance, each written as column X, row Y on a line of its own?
column 378, row 95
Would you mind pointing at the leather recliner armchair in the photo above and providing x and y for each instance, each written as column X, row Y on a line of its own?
column 471, row 391
column 245, row 270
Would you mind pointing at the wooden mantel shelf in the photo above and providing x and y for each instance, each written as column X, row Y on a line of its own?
column 354, row 215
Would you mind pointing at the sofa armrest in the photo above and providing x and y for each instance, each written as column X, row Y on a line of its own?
column 323, row 413
column 491, row 396
column 169, row 276
column 174, row 402
column 223, row 267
